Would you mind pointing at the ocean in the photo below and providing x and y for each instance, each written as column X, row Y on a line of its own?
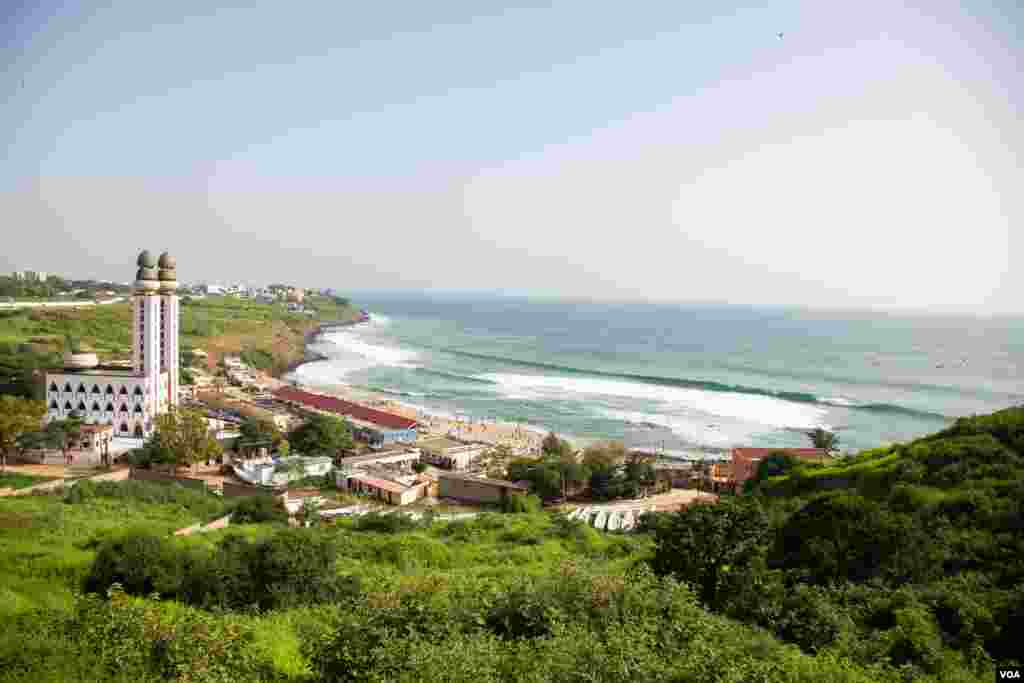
column 682, row 379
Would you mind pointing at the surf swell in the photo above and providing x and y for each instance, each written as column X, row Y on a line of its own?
column 705, row 385
column 451, row 375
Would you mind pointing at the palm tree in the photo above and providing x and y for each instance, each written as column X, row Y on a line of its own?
column 824, row 439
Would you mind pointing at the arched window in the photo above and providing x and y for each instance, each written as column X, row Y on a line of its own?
column 53, row 386
column 110, row 390
column 54, row 406
column 123, row 392
column 124, row 408
column 138, row 431
column 95, row 405
column 81, row 405
column 138, row 391
column 67, row 386
column 81, row 387
column 95, row 388
column 138, row 408
column 124, row 426
column 110, row 407
column 67, row 405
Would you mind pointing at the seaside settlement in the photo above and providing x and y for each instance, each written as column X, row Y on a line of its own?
column 397, row 458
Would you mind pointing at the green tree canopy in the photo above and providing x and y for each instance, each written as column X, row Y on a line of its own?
column 321, row 435
column 18, row 416
column 707, row 545
column 839, row 537
column 824, row 439
column 553, row 446
column 605, row 454
column 260, row 429
column 183, row 437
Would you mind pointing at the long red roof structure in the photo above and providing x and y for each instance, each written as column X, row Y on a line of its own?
column 346, row 408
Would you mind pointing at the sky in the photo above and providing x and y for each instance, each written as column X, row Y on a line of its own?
column 871, row 158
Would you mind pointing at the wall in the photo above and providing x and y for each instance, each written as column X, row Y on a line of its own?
column 463, row 489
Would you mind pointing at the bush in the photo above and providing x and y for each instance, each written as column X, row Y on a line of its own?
column 385, row 523
column 288, row 569
column 522, row 504
column 257, row 509
column 200, row 503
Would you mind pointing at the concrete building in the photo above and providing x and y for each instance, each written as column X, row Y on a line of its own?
column 474, row 490
column 129, row 399
column 448, row 454
column 386, row 490
column 96, row 437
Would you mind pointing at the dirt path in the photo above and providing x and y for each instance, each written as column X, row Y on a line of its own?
column 56, row 471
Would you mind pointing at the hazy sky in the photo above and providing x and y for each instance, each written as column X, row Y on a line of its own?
column 641, row 150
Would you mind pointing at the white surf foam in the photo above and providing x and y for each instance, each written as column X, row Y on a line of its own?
column 759, row 410
column 693, row 430
column 349, row 345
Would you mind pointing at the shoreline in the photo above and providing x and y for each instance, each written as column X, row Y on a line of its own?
column 522, row 438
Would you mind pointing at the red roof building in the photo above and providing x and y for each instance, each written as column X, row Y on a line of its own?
column 746, row 460
column 346, row 408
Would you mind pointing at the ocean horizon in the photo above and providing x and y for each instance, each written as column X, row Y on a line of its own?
column 678, row 378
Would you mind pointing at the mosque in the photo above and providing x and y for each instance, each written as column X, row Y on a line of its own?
column 126, row 399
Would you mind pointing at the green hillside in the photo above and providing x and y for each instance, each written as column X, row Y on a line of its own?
column 912, row 554
column 35, row 338
column 899, row 564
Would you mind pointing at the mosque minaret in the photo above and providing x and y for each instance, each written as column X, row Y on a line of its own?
column 129, row 400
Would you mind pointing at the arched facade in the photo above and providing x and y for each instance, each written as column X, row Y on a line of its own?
column 130, row 399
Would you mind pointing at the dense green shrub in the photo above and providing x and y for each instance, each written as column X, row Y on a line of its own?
column 286, row 569
column 385, row 523
column 523, row 504
column 707, row 545
column 257, row 509
column 198, row 502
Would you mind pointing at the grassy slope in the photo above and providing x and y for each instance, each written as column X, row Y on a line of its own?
column 16, row 480
column 459, row 566
column 980, row 452
column 448, row 567
column 46, row 546
column 34, row 338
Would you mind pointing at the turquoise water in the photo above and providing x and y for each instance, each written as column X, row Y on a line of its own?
column 678, row 378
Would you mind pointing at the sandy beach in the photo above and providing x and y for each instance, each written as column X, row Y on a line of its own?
column 522, row 439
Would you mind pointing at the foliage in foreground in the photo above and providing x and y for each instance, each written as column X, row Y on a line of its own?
column 912, row 555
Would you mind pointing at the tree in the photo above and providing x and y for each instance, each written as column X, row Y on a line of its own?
column 321, row 435
column 840, row 537
column 554, row 446
column 18, row 416
column 259, row 429
column 707, row 545
column 606, row 454
column 61, row 434
column 823, row 439
column 183, row 437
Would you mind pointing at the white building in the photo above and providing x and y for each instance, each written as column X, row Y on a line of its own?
column 128, row 398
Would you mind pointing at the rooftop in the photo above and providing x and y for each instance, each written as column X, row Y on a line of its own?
column 382, row 484
column 479, row 480
column 106, row 370
column 377, row 418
